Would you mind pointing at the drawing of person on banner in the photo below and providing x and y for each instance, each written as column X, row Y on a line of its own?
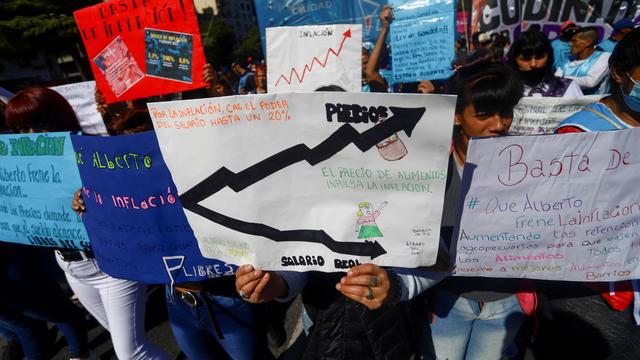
column 367, row 221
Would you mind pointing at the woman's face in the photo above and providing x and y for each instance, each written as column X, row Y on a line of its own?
column 261, row 79
column 476, row 124
column 532, row 62
column 367, row 209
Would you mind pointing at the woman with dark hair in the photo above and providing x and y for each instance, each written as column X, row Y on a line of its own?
column 597, row 320
column 117, row 304
column 23, row 269
column 475, row 318
column 531, row 56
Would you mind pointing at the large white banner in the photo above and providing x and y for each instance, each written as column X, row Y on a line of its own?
column 554, row 207
column 541, row 115
column 315, row 181
column 304, row 58
column 81, row 96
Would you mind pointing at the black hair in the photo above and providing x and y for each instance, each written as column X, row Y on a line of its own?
column 533, row 44
column 625, row 56
column 491, row 87
column 589, row 33
column 330, row 88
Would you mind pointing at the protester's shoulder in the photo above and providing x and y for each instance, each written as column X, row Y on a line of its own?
column 587, row 119
column 603, row 55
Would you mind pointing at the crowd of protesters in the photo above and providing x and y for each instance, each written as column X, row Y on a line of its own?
column 369, row 312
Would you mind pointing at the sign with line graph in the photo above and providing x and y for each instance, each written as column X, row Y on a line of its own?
column 315, row 181
column 304, row 58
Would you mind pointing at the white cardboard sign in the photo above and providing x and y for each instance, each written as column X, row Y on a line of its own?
column 314, row 181
column 553, row 207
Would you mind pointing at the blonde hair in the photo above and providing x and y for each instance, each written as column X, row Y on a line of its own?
column 361, row 205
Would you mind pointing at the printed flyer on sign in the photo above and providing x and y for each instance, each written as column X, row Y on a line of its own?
column 142, row 48
column 304, row 58
column 552, row 207
column 118, row 66
column 313, row 181
column 168, row 54
column 38, row 177
column 133, row 214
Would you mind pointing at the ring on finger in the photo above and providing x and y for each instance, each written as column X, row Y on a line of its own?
column 370, row 294
column 242, row 295
column 374, row 281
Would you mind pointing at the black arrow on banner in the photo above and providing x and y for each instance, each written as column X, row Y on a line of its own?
column 403, row 119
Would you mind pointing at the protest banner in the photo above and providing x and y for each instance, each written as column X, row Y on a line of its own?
column 38, row 177
column 553, row 207
column 320, row 12
column 510, row 18
column 541, row 115
column 133, row 214
column 142, row 48
column 422, row 40
column 304, row 58
column 81, row 97
column 312, row 181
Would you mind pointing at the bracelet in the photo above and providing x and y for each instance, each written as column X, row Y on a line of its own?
column 395, row 291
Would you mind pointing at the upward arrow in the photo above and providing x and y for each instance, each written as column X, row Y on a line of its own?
column 403, row 119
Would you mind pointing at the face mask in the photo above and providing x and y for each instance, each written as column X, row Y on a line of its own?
column 532, row 77
column 633, row 98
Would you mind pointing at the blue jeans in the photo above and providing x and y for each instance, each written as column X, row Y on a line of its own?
column 31, row 333
column 31, row 294
column 464, row 330
column 194, row 330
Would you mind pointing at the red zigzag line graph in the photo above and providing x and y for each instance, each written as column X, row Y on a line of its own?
column 308, row 68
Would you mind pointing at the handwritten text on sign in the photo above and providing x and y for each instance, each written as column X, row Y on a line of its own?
column 38, row 177
column 556, row 207
column 313, row 181
column 304, row 58
column 422, row 40
column 81, row 97
column 540, row 115
column 134, row 216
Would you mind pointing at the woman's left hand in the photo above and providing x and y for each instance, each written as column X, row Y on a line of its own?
column 367, row 284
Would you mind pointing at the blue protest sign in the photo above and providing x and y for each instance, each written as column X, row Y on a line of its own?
column 133, row 214
column 320, row 12
column 38, row 177
column 422, row 39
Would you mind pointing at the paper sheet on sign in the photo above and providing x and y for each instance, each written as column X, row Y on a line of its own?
column 553, row 207
column 304, row 58
column 541, row 115
column 315, row 181
column 81, row 97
